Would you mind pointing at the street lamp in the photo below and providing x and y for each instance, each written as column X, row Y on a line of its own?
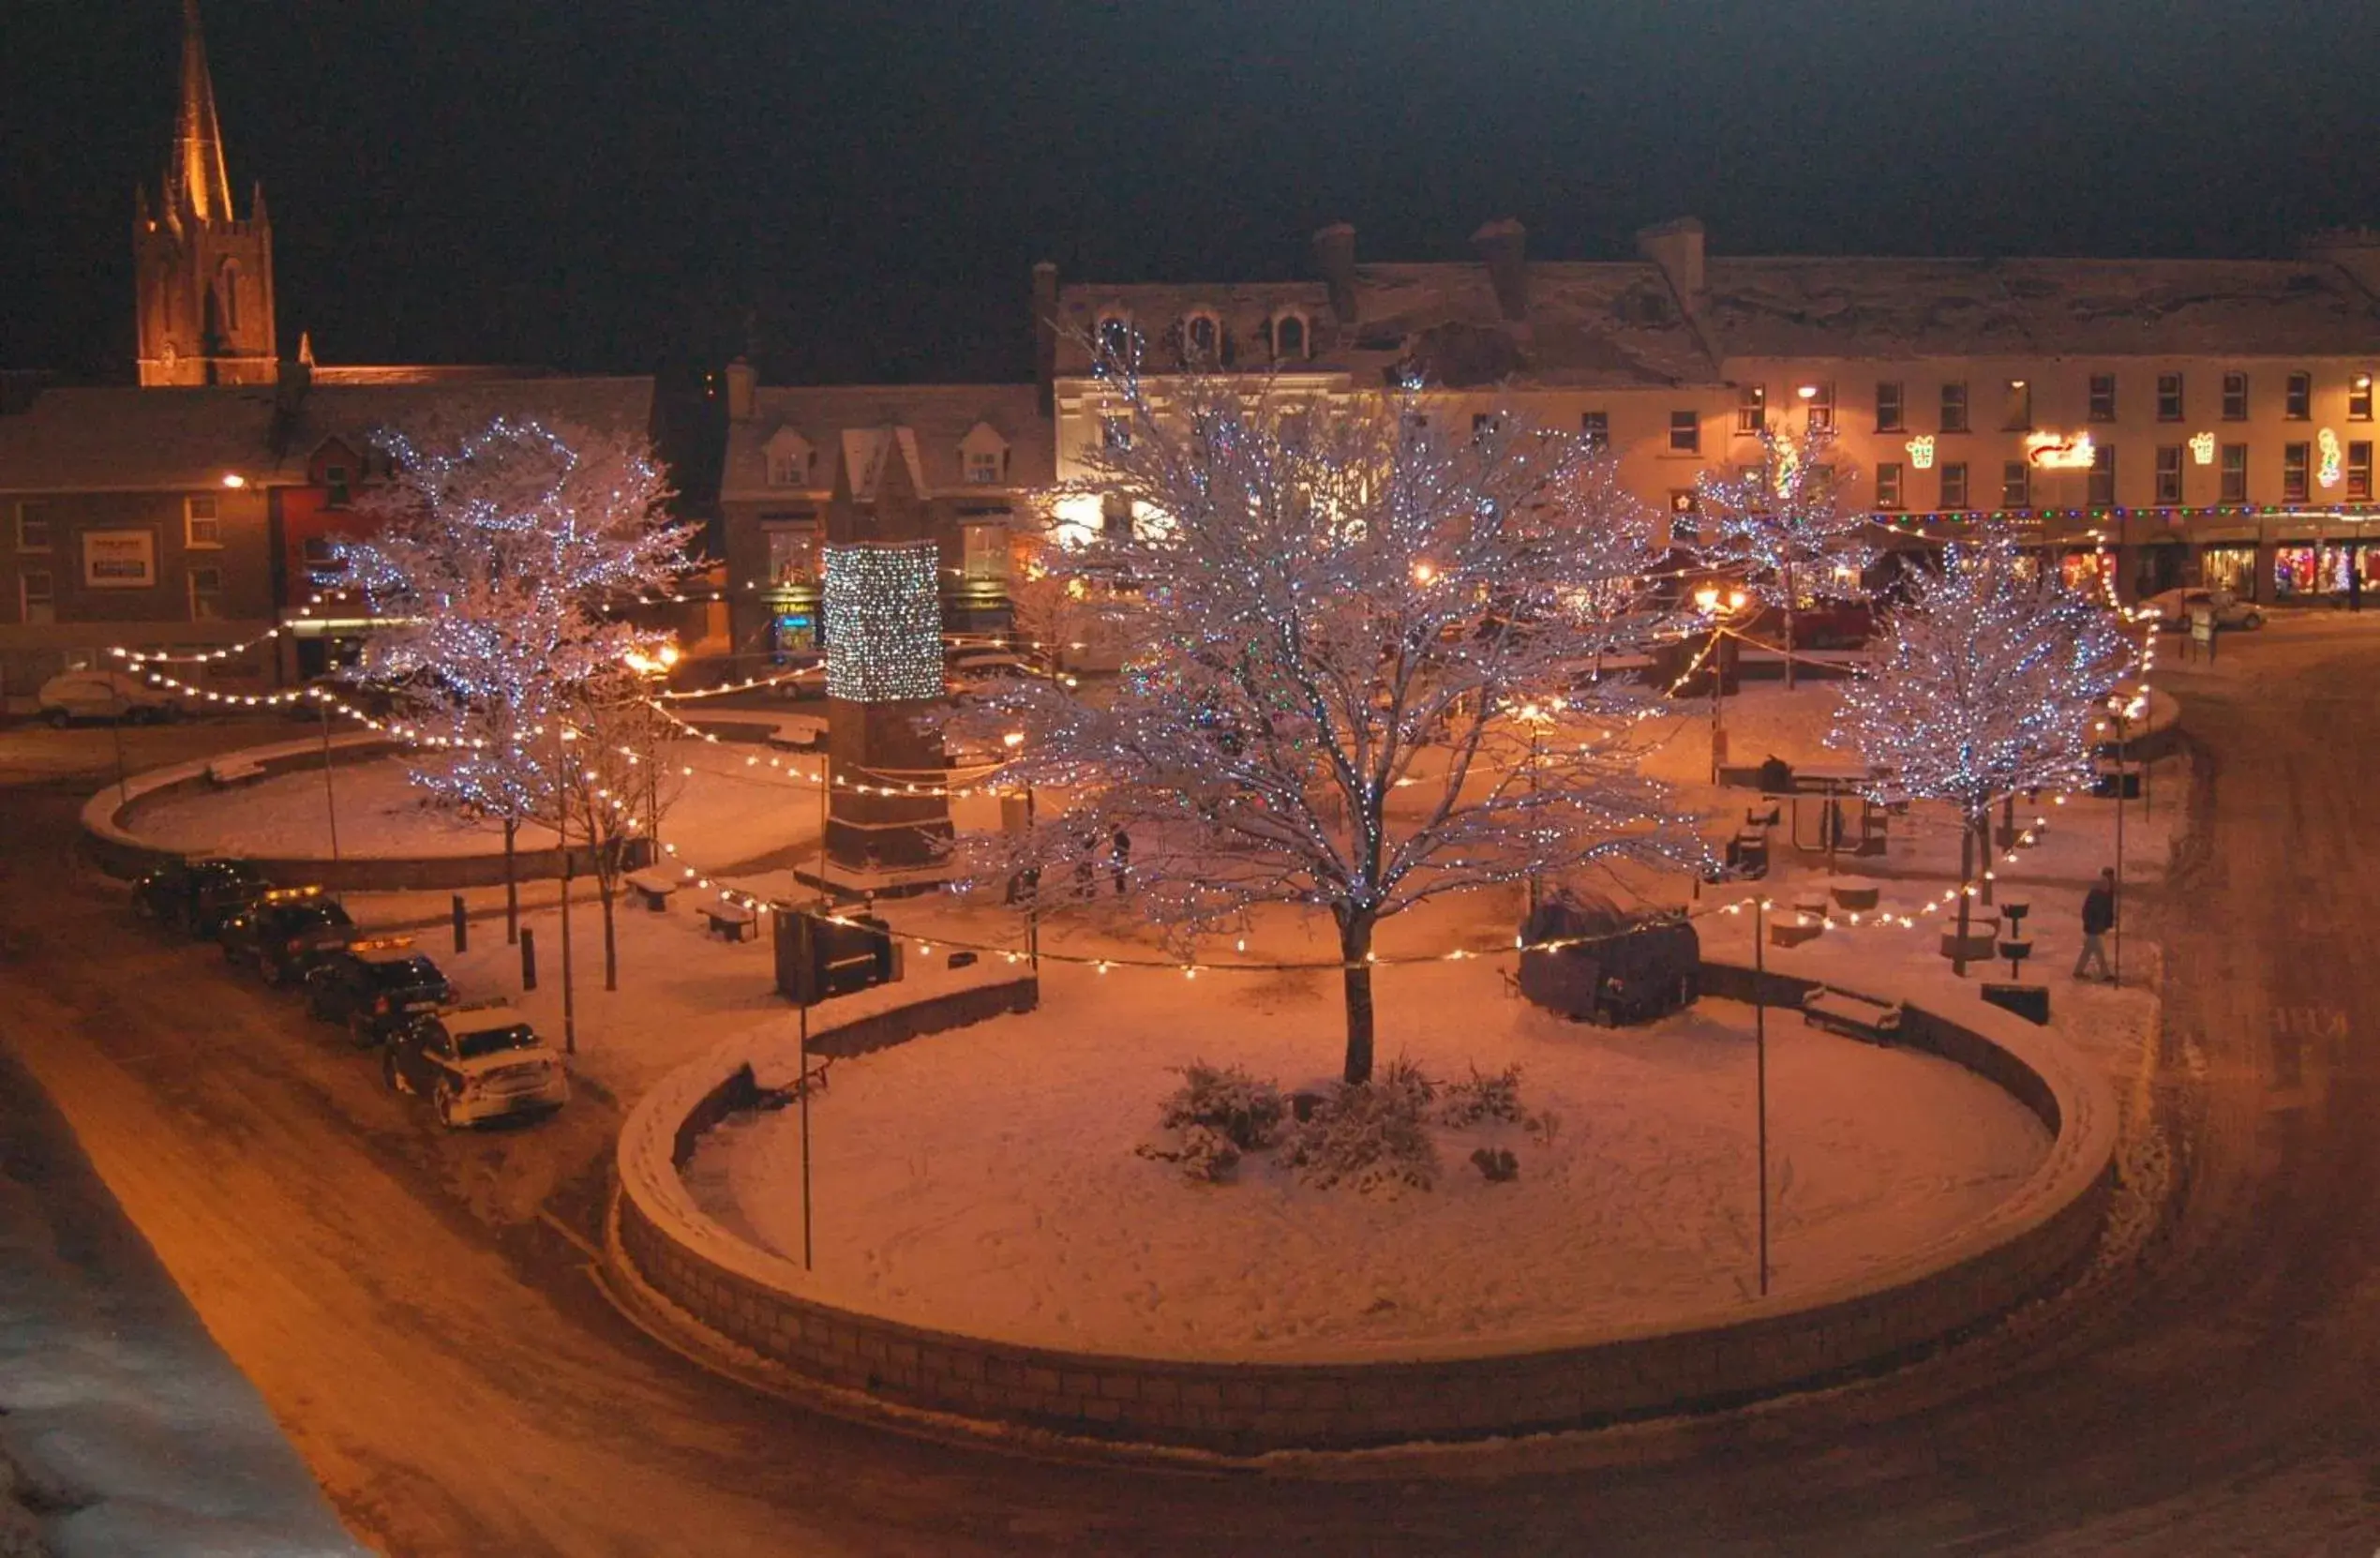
column 1535, row 717
column 1719, row 606
column 1014, row 741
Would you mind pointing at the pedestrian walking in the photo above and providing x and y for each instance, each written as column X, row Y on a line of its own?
column 2099, row 918
column 1119, row 854
column 2355, row 580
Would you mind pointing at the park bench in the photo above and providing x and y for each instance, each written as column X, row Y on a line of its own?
column 1855, row 1015
column 228, row 771
column 654, row 887
column 730, row 921
column 798, row 733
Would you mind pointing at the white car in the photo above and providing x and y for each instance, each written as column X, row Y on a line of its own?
column 95, row 694
column 476, row 1063
column 2174, row 606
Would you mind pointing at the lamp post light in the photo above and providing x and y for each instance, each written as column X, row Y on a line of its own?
column 1719, row 606
column 1536, row 717
column 1014, row 741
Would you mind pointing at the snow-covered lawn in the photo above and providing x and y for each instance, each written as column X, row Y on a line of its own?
column 985, row 1179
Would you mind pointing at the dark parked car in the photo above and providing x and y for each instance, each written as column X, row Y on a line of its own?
column 285, row 933
column 375, row 987
column 197, row 897
column 476, row 1063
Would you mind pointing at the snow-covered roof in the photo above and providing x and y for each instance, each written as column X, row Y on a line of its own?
column 939, row 419
column 172, row 439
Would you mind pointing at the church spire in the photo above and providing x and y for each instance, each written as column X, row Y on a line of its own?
column 197, row 172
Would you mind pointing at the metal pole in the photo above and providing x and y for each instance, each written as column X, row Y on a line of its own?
column 1712, row 664
column 825, row 778
column 1760, row 1071
column 1032, row 897
column 1533, row 883
column 330, row 791
column 115, row 728
column 804, row 1089
column 2123, row 747
column 562, row 842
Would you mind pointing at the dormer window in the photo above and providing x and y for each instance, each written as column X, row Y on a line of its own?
column 983, row 467
column 1202, row 339
column 983, row 456
column 790, row 460
column 1289, row 338
column 1115, row 337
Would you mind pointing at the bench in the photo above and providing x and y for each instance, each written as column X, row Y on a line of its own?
column 730, row 921
column 654, row 887
column 798, row 733
column 234, row 770
column 1855, row 1016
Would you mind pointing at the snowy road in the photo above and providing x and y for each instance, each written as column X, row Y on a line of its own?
column 438, row 1355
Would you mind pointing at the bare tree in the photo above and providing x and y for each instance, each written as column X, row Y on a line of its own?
column 1783, row 524
column 1368, row 679
column 615, row 785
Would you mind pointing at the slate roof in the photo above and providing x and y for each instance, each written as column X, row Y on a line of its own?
column 133, row 439
column 938, row 418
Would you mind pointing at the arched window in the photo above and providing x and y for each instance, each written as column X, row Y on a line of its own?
column 1289, row 338
column 1115, row 337
column 1202, row 339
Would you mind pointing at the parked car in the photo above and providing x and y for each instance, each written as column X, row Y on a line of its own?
column 285, row 933
column 375, row 986
column 2173, row 609
column 476, row 1063
column 196, row 896
column 1828, row 624
column 98, row 693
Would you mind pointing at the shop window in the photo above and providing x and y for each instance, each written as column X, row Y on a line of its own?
column 2169, row 472
column 1953, row 485
column 1954, row 408
column 1596, row 428
column 2103, row 398
column 1888, row 483
column 206, row 594
column 202, row 524
column 2169, row 398
column 2101, row 490
column 793, row 551
column 36, row 596
column 1685, row 433
column 2232, row 568
column 2082, row 571
column 1752, row 409
column 986, row 553
column 2235, row 472
column 2359, row 398
column 33, row 526
column 2295, row 461
column 1889, row 413
column 2359, row 471
column 2234, row 397
column 2016, row 485
column 2296, row 398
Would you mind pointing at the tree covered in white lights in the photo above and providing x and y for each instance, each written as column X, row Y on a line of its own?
column 1368, row 674
column 1784, row 524
column 1987, row 681
column 492, row 558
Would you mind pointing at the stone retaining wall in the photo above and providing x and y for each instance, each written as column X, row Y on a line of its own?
column 726, row 1288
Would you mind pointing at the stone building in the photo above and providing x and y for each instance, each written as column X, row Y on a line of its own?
column 2209, row 419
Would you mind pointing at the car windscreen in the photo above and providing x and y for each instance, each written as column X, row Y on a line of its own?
column 406, row 974
column 494, row 1040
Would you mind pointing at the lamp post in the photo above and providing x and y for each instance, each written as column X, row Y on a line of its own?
column 1719, row 606
column 1535, row 717
column 1014, row 741
column 1760, row 1071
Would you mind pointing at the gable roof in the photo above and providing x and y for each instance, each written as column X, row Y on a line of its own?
column 937, row 418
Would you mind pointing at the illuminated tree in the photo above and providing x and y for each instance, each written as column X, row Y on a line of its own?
column 1369, row 680
column 490, row 560
column 615, row 785
column 1987, row 681
column 1781, row 525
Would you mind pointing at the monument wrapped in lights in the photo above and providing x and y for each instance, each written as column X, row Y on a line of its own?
column 885, row 603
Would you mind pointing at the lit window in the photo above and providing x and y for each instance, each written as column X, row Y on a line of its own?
column 2169, row 398
column 1686, row 525
column 1954, row 408
column 2234, row 397
column 206, row 594
column 2359, row 471
column 2103, row 398
column 2016, row 485
column 2016, row 405
column 1953, row 485
column 2169, row 472
column 2099, row 491
column 1888, row 483
column 984, row 467
column 33, row 527
column 1822, row 405
column 200, row 524
column 1685, row 433
column 2295, row 461
column 1888, row 407
column 2359, row 398
column 2234, row 472
column 2296, row 400
column 1752, row 408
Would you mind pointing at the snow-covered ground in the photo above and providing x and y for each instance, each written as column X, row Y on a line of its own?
column 985, row 1179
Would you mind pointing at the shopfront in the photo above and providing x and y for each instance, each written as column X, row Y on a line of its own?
column 2232, row 566
column 2322, row 568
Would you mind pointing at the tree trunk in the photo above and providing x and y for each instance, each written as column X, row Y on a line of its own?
column 569, row 1005
column 1966, row 875
column 1788, row 627
column 1355, row 947
column 512, row 883
column 611, row 945
column 1983, row 850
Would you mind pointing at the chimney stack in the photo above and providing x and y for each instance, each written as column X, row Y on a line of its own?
column 1503, row 246
column 1335, row 259
column 1046, row 332
column 1676, row 248
column 743, row 381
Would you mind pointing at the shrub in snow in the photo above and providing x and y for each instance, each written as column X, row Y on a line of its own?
column 1498, row 1164
column 1478, row 1098
column 1245, row 1110
column 1370, row 1135
column 1543, row 1126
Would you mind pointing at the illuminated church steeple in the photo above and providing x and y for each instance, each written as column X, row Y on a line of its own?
column 204, row 276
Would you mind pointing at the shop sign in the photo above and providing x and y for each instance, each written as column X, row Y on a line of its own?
column 119, row 560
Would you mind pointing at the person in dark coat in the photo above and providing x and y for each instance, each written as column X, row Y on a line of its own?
column 1119, row 854
column 2099, row 918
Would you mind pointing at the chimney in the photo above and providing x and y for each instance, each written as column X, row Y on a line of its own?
column 1503, row 246
column 1676, row 248
column 742, row 381
column 1046, row 332
column 1335, row 259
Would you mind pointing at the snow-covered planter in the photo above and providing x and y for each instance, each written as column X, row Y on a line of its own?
column 1371, row 1136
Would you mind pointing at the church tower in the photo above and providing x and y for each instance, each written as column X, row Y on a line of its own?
column 204, row 276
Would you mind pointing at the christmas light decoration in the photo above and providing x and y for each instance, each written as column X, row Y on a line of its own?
column 2049, row 451
column 1920, row 452
column 1783, row 524
column 884, row 622
column 2202, row 448
column 2328, row 473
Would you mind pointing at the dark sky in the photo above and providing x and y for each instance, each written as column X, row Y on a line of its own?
column 621, row 184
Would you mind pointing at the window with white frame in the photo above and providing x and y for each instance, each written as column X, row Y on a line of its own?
column 2103, row 398
column 1685, row 433
column 2359, row 470
column 2234, row 397
column 2016, row 485
column 33, row 526
column 2016, row 405
column 206, row 594
column 1889, row 406
column 1596, row 428
column 2169, row 398
column 1953, row 419
column 986, row 552
column 2297, row 461
column 202, row 523
column 2235, row 470
column 1953, row 484
column 2296, row 398
column 2169, row 472
column 1752, row 409
column 1888, row 483
column 2100, row 488
column 36, row 596
column 1820, row 401
column 793, row 552
column 2359, row 398
column 984, row 467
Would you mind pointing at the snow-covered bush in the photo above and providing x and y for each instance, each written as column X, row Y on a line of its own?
column 1478, row 1098
column 1497, row 1164
column 1245, row 1110
column 1369, row 1135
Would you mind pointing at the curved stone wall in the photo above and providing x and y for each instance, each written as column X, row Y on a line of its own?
column 693, row 1276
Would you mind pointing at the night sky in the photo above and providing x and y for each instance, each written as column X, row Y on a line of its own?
column 627, row 184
